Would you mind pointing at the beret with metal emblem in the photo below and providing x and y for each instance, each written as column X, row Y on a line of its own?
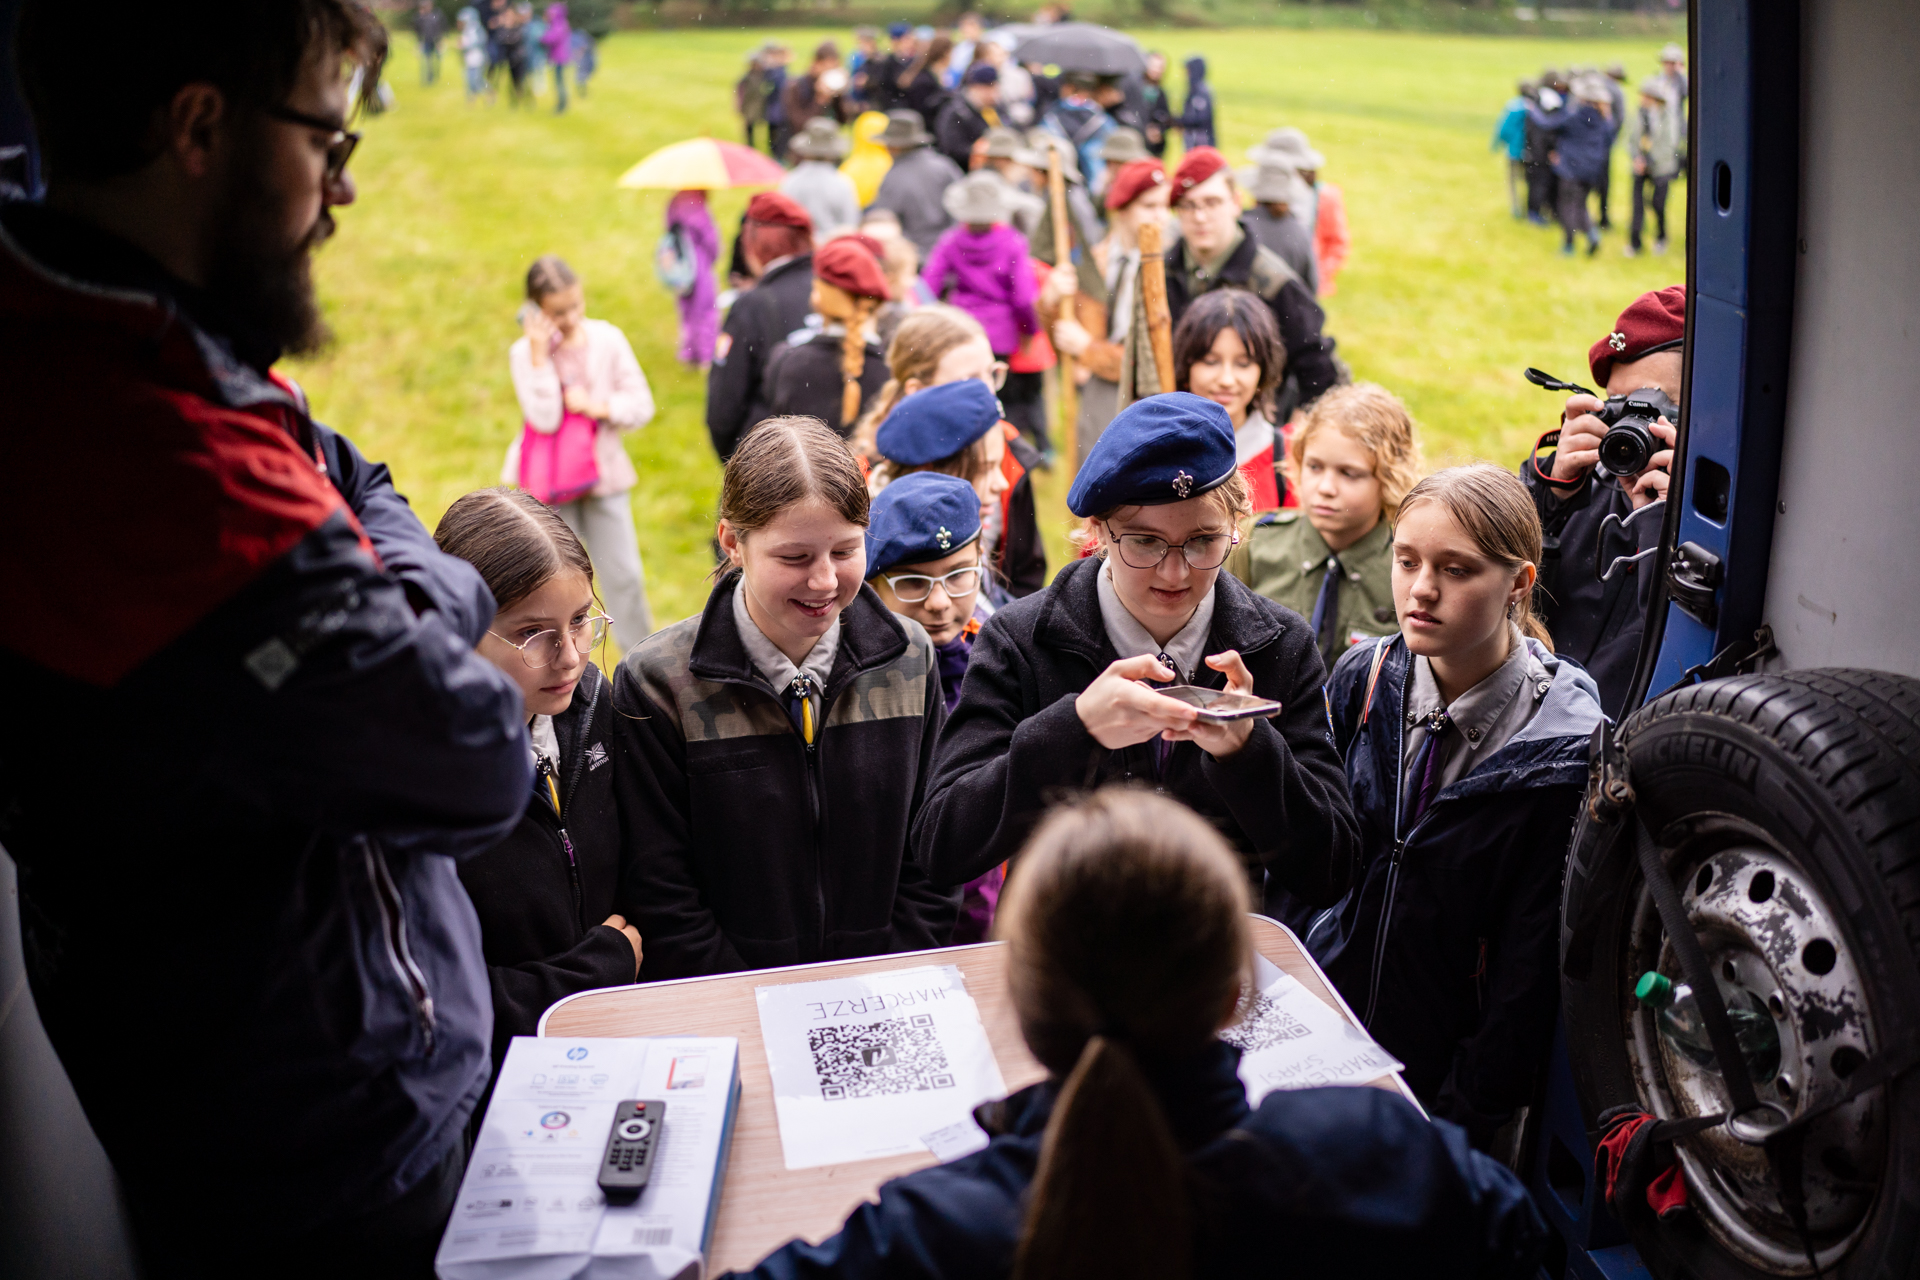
column 1162, row 449
column 920, row 518
column 938, row 422
column 1655, row 321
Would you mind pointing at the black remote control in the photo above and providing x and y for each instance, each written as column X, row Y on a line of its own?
column 630, row 1144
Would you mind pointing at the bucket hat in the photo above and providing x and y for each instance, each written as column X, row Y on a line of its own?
column 820, row 139
column 905, row 129
column 1287, row 148
column 1274, row 184
column 979, row 198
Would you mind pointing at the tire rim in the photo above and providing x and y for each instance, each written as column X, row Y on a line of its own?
column 1766, row 926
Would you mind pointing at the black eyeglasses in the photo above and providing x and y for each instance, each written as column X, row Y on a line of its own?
column 340, row 144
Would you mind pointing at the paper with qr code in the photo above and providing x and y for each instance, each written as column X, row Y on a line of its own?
column 1289, row 1038
column 862, row 1067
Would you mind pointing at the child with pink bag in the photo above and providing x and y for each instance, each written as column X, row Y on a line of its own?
column 579, row 388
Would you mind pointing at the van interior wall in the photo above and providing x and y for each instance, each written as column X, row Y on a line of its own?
column 60, row 1207
column 1845, row 576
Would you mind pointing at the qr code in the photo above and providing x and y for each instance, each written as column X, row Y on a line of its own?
column 872, row 1059
column 1263, row 1025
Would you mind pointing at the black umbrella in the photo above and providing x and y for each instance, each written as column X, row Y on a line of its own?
column 1083, row 46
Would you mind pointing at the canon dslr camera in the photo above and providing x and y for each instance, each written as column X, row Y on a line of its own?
column 1629, row 444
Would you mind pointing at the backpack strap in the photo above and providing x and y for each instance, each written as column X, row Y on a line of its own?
column 1373, row 677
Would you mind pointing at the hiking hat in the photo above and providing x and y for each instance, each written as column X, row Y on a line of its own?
column 905, row 130
column 820, row 139
column 1657, row 87
column 1286, row 147
column 1673, row 53
column 981, row 197
column 1123, row 146
column 1275, row 184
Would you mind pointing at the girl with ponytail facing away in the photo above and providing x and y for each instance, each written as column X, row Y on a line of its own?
column 1465, row 740
column 1126, row 919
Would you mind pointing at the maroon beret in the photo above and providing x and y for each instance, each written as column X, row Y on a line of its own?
column 1655, row 322
column 1195, row 168
column 1133, row 181
column 845, row 264
column 776, row 210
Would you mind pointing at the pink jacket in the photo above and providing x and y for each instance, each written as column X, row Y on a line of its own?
column 986, row 275
column 611, row 376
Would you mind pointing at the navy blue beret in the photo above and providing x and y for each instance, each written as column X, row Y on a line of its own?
column 1158, row 450
column 921, row 517
column 938, row 422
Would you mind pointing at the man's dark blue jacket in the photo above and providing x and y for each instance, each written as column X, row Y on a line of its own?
column 1582, row 140
column 250, row 738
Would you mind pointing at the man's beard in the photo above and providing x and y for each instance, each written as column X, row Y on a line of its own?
column 262, row 285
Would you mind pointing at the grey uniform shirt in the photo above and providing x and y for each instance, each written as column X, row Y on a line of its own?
column 1187, row 646
column 1484, row 718
column 775, row 665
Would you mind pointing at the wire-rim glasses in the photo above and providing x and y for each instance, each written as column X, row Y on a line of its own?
column 1202, row 551
column 542, row 648
column 958, row 584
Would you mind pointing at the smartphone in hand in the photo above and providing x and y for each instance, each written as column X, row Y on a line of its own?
column 1217, row 706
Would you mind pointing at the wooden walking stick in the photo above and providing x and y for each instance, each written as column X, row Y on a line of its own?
column 1153, row 295
column 1063, row 257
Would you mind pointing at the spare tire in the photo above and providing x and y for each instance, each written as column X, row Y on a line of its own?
column 1788, row 810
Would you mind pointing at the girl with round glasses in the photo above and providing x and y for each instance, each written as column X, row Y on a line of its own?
column 545, row 894
column 1059, row 691
column 924, row 562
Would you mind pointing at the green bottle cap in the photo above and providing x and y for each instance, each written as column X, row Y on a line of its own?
column 1655, row 988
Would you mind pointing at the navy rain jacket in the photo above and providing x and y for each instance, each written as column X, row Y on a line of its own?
column 252, row 738
column 1582, row 140
column 1449, row 947
column 1348, row 1182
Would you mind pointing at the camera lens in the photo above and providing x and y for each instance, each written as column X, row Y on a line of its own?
column 1627, row 447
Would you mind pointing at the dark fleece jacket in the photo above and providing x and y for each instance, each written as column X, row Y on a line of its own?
column 542, row 893
column 1016, row 741
column 753, row 849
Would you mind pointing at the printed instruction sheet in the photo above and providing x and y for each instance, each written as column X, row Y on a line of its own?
column 530, row 1204
column 863, row 1067
column 1289, row 1038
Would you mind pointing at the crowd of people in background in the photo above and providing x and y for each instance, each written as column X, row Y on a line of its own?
column 508, row 40
column 1559, row 133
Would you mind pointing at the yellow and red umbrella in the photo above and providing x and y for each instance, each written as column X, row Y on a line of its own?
column 703, row 163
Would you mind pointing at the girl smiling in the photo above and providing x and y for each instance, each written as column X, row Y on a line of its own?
column 773, row 748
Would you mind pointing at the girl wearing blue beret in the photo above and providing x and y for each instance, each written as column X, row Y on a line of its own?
column 773, row 750
column 1054, row 698
column 924, row 559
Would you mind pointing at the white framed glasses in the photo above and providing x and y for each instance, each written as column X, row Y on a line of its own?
column 912, row 588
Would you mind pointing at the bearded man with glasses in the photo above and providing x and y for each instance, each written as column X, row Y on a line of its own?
column 238, row 813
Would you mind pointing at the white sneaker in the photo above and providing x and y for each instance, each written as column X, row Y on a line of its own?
column 1660, row 246
column 1629, row 250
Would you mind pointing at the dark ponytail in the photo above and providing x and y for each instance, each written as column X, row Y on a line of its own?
column 1126, row 918
column 1108, row 1199
column 516, row 542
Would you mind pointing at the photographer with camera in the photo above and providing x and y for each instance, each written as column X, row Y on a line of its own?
column 1610, row 458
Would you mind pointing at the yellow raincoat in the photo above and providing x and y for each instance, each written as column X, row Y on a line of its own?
column 869, row 161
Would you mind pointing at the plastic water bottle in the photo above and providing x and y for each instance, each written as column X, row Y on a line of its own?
column 1680, row 1022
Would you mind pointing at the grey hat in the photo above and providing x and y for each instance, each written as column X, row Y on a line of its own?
column 1124, row 145
column 905, row 130
column 820, row 139
column 1673, row 53
column 1617, row 71
column 1287, row 148
column 1007, row 144
column 981, row 197
column 1274, row 184
column 1049, row 144
column 1592, row 87
column 1657, row 87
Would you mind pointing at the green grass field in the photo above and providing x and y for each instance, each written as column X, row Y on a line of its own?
column 1445, row 299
